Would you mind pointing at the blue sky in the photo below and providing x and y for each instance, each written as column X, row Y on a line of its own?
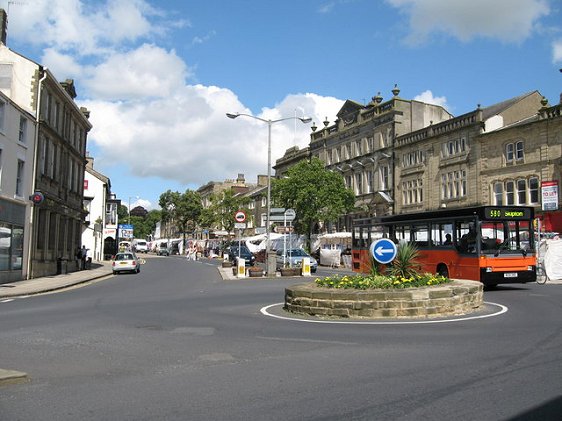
column 158, row 76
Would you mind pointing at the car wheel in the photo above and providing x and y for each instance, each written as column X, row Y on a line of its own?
column 115, row 272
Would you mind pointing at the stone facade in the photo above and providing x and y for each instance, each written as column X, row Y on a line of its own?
column 457, row 298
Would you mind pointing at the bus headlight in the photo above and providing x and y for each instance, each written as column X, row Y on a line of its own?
column 489, row 269
column 530, row 268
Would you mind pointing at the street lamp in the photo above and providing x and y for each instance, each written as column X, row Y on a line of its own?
column 269, row 124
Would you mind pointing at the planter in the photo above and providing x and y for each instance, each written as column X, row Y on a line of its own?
column 290, row 271
column 255, row 273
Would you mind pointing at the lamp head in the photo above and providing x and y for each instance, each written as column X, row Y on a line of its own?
column 233, row 116
column 305, row 119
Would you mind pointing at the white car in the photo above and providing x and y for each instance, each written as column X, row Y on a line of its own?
column 125, row 262
column 140, row 246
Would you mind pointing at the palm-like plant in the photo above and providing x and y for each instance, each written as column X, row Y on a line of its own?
column 405, row 264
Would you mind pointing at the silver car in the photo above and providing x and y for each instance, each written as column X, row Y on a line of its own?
column 293, row 258
column 125, row 262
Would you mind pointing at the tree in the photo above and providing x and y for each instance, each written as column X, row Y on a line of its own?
column 316, row 195
column 223, row 207
column 122, row 214
column 183, row 209
column 145, row 226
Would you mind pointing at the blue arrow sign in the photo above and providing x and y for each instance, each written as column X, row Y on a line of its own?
column 383, row 250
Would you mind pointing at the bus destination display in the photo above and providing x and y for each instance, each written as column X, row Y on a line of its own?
column 515, row 213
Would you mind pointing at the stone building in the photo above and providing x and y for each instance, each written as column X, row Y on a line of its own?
column 445, row 164
column 360, row 145
column 62, row 128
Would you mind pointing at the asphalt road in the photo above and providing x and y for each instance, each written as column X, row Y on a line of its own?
column 176, row 342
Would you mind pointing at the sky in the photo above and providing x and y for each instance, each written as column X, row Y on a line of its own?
column 159, row 76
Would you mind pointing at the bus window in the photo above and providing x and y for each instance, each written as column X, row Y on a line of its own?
column 401, row 234
column 442, row 234
column 466, row 236
column 420, row 235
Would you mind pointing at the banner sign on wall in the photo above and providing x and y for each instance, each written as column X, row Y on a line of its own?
column 549, row 191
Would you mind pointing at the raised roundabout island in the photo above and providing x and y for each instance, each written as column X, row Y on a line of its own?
column 459, row 297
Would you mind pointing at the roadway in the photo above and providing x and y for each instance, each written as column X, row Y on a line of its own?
column 177, row 342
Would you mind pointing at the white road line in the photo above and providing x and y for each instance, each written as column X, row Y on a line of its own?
column 502, row 309
column 7, row 300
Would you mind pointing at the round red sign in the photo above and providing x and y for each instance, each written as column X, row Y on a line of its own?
column 240, row 216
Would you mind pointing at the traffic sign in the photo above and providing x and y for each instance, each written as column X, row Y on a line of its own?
column 240, row 225
column 383, row 250
column 278, row 218
column 277, row 210
column 290, row 214
column 240, row 216
column 37, row 198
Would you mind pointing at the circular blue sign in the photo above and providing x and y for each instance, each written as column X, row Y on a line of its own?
column 383, row 250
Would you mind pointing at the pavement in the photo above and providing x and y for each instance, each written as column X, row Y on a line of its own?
column 52, row 283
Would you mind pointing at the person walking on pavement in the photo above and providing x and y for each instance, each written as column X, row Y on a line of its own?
column 83, row 256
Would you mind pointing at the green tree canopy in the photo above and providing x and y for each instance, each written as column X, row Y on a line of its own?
column 182, row 208
column 145, row 226
column 223, row 207
column 316, row 195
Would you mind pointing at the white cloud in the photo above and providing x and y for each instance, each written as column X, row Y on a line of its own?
column 506, row 20
column 428, row 98
column 187, row 137
column 557, row 51
column 147, row 71
column 87, row 28
column 61, row 65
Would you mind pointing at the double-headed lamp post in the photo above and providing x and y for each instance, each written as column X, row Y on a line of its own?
column 269, row 124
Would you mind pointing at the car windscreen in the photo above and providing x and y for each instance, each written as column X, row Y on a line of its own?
column 297, row 252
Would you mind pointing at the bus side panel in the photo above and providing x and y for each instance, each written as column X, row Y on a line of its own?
column 458, row 266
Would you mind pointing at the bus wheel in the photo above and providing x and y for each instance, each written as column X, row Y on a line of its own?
column 443, row 271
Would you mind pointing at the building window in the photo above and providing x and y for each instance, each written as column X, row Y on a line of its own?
column 412, row 192
column 348, row 181
column 514, row 152
column 519, row 151
column 371, row 144
column 370, row 179
column 23, row 129
column 454, row 185
column 264, row 201
column 358, row 184
column 533, row 190
column 2, row 115
column 19, row 178
column 454, row 147
column 509, row 193
column 384, row 177
column 520, row 192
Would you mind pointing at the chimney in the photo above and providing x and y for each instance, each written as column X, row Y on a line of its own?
column 3, row 26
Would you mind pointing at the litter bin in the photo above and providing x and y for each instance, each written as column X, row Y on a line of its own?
column 61, row 266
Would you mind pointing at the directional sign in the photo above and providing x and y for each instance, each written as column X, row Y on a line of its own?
column 277, row 210
column 383, row 250
column 278, row 218
column 240, row 216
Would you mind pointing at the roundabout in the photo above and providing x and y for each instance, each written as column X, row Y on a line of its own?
column 276, row 311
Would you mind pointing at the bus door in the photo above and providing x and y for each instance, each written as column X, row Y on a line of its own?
column 465, row 240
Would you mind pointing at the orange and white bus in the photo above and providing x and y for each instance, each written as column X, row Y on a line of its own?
column 491, row 244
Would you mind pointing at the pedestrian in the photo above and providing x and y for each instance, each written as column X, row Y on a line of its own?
column 83, row 256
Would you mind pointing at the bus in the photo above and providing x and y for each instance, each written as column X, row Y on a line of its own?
column 490, row 244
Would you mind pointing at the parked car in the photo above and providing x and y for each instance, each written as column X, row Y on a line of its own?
column 163, row 249
column 244, row 252
column 125, row 262
column 293, row 257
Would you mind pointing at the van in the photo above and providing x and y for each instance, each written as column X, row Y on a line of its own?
column 163, row 249
column 140, row 246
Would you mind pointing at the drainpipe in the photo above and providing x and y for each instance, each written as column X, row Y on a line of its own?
column 34, row 174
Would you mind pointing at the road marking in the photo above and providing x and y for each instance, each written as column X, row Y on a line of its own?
column 7, row 300
column 502, row 309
